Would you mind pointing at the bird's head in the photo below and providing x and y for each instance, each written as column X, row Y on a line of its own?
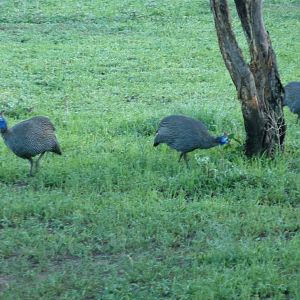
column 223, row 139
column 3, row 124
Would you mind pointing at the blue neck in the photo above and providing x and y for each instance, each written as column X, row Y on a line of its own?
column 3, row 125
column 222, row 140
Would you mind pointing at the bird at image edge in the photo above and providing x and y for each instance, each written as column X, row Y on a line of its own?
column 292, row 97
column 29, row 138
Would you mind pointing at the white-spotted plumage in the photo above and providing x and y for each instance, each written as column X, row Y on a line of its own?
column 186, row 134
column 31, row 137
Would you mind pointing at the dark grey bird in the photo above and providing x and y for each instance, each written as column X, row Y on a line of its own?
column 292, row 97
column 186, row 134
column 30, row 138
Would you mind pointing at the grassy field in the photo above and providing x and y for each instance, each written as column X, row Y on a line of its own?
column 115, row 218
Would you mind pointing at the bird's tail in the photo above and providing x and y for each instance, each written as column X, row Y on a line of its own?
column 57, row 149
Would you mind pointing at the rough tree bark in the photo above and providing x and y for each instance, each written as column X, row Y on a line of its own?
column 258, row 84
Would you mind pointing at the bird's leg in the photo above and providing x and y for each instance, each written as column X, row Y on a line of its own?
column 38, row 161
column 186, row 159
column 181, row 154
column 31, row 166
column 184, row 155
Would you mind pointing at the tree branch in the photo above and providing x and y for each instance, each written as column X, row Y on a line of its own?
column 231, row 52
column 243, row 12
column 260, row 39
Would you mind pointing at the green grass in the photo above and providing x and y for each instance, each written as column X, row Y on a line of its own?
column 115, row 218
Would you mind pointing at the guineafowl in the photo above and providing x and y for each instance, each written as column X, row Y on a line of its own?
column 30, row 138
column 186, row 134
column 292, row 97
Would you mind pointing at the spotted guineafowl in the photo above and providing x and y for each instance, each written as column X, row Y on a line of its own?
column 186, row 134
column 30, row 138
column 292, row 97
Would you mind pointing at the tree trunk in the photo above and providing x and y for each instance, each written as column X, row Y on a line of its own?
column 258, row 84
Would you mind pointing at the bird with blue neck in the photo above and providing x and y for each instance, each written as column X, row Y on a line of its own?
column 186, row 134
column 29, row 138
